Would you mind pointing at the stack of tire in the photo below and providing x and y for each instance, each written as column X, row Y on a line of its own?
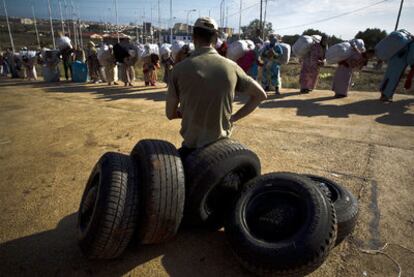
column 280, row 224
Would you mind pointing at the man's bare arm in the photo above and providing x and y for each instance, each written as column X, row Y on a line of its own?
column 171, row 108
column 257, row 95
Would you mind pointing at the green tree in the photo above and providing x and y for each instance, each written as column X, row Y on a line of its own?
column 310, row 32
column 371, row 36
column 250, row 31
column 290, row 39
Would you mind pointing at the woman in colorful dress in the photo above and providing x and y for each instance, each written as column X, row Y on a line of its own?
column 311, row 65
column 271, row 67
column 150, row 66
column 343, row 74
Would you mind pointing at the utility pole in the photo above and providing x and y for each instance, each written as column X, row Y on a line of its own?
column 35, row 25
column 261, row 18
column 75, row 33
column 67, row 17
column 51, row 25
column 222, row 12
column 80, row 28
column 264, row 21
column 61, row 18
column 399, row 14
column 227, row 16
column 188, row 14
column 116, row 14
column 159, row 22
column 240, row 18
column 8, row 25
column 171, row 22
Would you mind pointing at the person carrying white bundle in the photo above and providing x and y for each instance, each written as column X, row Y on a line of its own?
column 66, row 50
column 109, row 64
column 311, row 65
column 343, row 74
column 29, row 62
column 271, row 66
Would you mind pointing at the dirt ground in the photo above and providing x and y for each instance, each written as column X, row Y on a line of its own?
column 51, row 135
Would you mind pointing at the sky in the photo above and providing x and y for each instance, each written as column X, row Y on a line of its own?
column 343, row 18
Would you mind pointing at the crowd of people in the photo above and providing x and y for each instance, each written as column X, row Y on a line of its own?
column 261, row 62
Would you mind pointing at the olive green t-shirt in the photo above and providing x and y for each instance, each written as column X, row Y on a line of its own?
column 204, row 84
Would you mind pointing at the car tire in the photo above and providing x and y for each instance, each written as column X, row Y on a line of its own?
column 282, row 225
column 108, row 209
column 161, row 182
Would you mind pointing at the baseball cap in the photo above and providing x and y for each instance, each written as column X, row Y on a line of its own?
column 207, row 23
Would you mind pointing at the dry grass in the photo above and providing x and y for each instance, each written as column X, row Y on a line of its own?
column 365, row 80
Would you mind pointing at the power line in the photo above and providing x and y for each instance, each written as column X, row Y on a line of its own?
column 335, row 16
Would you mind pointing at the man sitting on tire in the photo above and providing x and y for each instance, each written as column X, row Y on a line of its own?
column 201, row 91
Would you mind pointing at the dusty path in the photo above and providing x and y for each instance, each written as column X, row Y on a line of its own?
column 51, row 136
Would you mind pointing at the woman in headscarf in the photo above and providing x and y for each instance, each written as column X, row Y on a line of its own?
column 311, row 65
column 167, row 62
column 271, row 67
column 150, row 66
column 92, row 61
column 343, row 74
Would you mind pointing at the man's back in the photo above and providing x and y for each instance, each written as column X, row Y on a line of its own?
column 205, row 84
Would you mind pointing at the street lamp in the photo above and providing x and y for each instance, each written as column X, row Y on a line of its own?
column 188, row 14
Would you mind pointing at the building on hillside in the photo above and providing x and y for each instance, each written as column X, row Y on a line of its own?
column 166, row 37
column 227, row 30
column 26, row 21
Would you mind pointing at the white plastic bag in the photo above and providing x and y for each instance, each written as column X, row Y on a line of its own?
column 358, row 44
column 176, row 47
column 63, row 42
column 237, row 49
column 285, row 57
column 342, row 51
column 302, row 46
column 165, row 49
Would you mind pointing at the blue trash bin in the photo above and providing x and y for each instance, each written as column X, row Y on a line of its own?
column 79, row 72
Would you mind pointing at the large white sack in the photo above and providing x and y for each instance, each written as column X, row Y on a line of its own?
column 342, row 51
column 176, row 47
column 237, row 49
column 165, row 49
column 31, row 54
column 219, row 43
column 63, row 42
column 339, row 52
column 317, row 38
column 285, row 57
column 101, row 51
column 302, row 46
column 140, row 48
column 149, row 49
column 392, row 44
column 191, row 46
column 359, row 44
column 250, row 44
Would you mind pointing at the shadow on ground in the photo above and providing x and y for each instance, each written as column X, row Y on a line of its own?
column 395, row 113
column 391, row 114
column 55, row 253
column 113, row 93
